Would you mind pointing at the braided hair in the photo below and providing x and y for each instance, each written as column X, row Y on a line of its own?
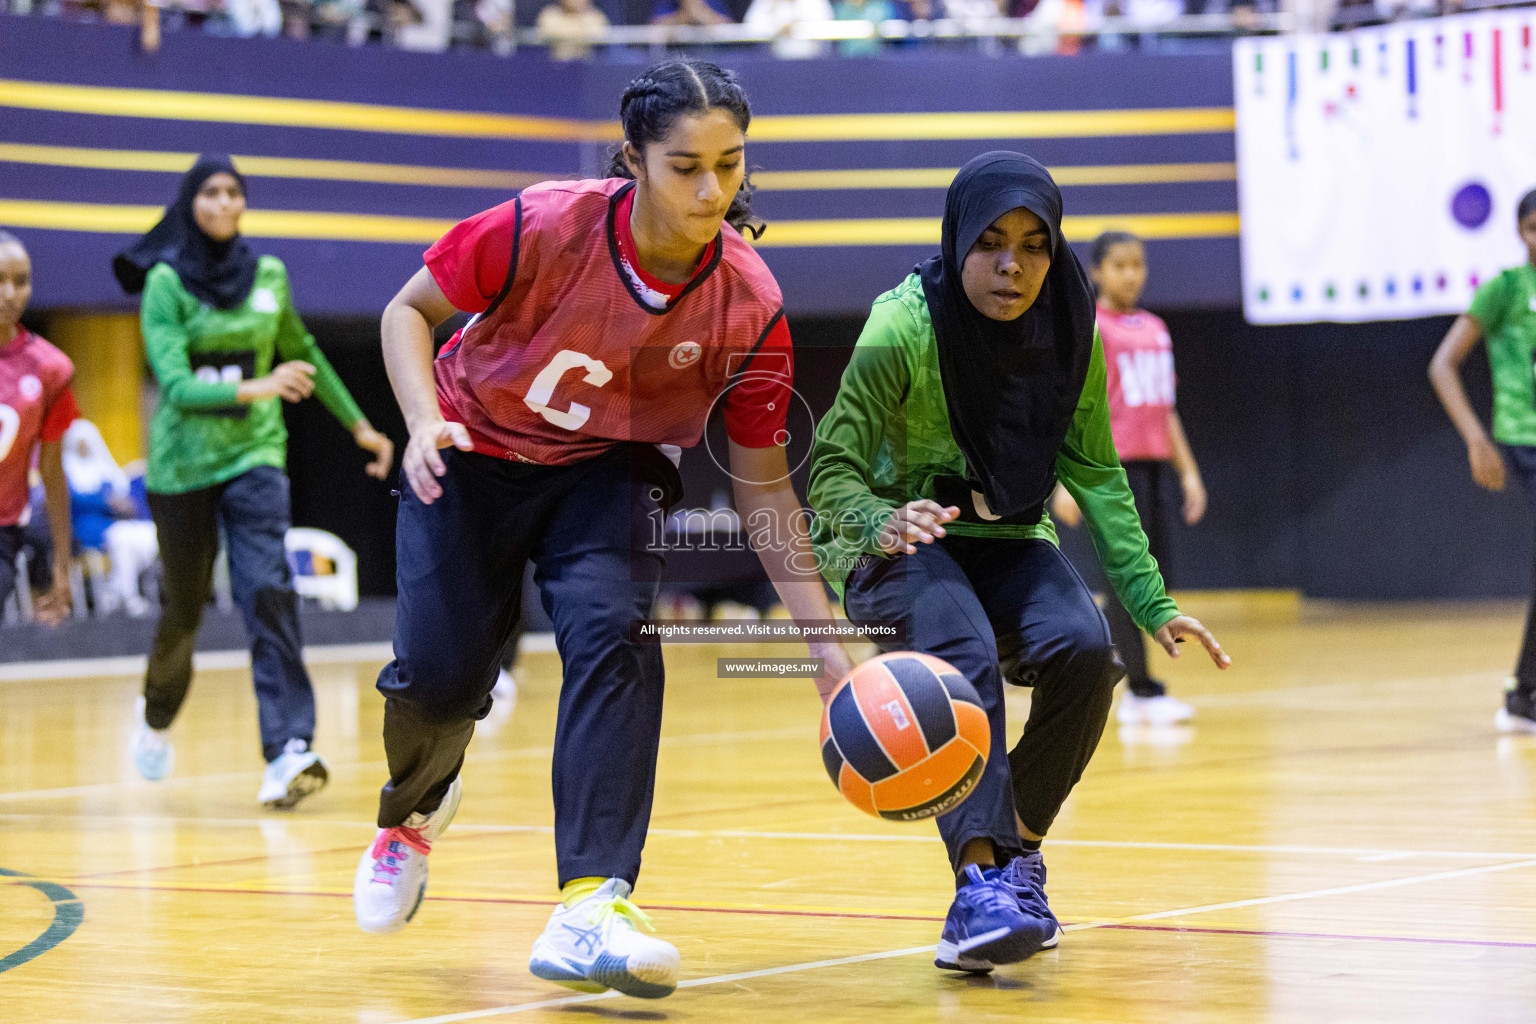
column 653, row 102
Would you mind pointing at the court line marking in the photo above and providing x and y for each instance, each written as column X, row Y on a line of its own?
column 1367, row 855
column 507, row 1010
column 68, row 913
column 490, row 756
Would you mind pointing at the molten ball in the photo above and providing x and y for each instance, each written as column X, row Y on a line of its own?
column 904, row 737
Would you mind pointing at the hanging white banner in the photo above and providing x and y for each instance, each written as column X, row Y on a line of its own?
column 1378, row 170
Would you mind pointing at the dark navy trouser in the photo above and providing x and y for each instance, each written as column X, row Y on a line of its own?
column 1520, row 459
column 253, row 509
column 460, row 575
column 996, row 610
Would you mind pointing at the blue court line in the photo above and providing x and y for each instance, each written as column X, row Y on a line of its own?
column 68, row 912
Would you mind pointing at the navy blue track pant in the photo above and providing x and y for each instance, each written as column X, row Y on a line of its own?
column 253, row 511
column 460, row 577
column 999, row 610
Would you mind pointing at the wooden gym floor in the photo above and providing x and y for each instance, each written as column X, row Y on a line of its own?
column 1341, row 837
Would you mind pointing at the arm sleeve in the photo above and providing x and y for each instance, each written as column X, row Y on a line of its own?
column 756, row 407
column 295, row 342
column 472, row 261
column 59, row 416
column 873, row 391
column 1488, row 305
column 1090, row 470
column 165, row 341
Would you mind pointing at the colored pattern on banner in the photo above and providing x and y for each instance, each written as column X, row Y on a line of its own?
column 1385, row 190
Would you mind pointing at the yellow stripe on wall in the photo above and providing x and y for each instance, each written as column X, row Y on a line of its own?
column 925, row 230
column 132, row 220
column 1019, row 124
column 269, row 167
column 302, row 113
column 359, row 227
column 940, row 177
column 463, row 177
column 228, row 108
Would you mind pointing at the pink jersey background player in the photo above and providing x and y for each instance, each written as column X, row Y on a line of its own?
column 1138, row 356
column 36, row 408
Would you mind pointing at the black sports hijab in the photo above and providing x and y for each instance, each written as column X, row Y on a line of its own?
column 218, row 273
column 1011, row 386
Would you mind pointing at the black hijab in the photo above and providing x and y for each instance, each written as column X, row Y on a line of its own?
column 1011, row 387
column 218, row 273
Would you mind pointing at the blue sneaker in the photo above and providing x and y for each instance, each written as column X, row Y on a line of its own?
column 1026, row 877
column 985, row 926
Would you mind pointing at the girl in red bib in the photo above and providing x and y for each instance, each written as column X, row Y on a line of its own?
column 609, row 318
column 36, row 408
column 1138, row 358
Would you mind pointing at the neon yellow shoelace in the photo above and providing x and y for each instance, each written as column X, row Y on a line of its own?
column 618, row 906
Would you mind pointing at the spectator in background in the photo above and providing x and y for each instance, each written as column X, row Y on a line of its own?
column 105, row 518
column 781, row 16
column 872, row 11
column 568, row 26
column 689, row 12
column 254, row 17
column 496, row 17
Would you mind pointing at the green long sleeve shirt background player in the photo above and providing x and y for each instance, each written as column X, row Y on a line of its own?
column 220, row 373
column 887, row 438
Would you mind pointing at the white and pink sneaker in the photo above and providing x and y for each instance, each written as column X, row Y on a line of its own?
column 391, row 878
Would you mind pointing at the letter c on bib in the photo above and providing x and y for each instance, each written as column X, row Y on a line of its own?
column 544, row 384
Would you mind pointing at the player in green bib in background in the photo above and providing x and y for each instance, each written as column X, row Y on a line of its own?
column 1504, row 312
column 228, row 347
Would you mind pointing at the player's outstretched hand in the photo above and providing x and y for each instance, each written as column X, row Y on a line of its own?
column 1487, row 464
column 917, row 522
column 383, row 449
column 1180, row 627
column 836, row 665
column 422, row 465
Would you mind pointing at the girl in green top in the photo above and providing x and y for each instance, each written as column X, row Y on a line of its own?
column 1504, row 311
column 216, row 321
column 976, row 384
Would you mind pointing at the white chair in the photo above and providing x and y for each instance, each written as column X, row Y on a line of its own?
column 324, row 568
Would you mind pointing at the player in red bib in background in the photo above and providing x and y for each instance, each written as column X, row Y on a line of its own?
column 36, row 406
column 610, row 317
column 1149, row 436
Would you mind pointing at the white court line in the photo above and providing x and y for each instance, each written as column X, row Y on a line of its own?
column 478, row 757
column 202, row 661
column 718, row 979
column 208, row 661
column 1363, row 855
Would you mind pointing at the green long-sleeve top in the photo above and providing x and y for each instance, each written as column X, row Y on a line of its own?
column 200, row 435
column 887, row 437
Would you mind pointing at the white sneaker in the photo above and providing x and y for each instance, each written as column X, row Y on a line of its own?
column 292, row 775
column 153, row 754
column 391, row 878
column 596, row 945
column 1161, row 710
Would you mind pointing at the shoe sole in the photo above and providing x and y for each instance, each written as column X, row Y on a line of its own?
column 308, row 782
column 549, row 970
column 1513, row 724
column 949, row 958
column 615, row 972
